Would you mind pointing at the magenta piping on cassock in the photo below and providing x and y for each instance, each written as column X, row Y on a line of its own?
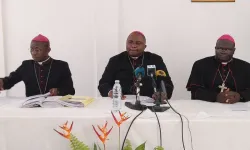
column 215, row 76
column 233, row 78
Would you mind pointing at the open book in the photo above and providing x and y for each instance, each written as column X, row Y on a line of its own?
column 48, row 101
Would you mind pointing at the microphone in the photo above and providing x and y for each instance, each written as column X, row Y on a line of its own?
column 139, row 74
column 160, row 73
column 157, row 108
column 163, row 88
column 151, row 71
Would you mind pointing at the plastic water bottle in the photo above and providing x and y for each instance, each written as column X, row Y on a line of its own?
column 117, row 96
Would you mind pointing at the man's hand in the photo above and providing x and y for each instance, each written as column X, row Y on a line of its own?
column 228, row 96
column 157, row 95
column 1, row 85
column 110, row 94
column 233, row 97
column 53, row 92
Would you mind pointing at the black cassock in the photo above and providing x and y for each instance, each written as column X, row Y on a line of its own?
column 121, row 67
column 39, row 79
column 208, row 74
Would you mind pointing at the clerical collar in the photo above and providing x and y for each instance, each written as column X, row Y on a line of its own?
column 41, row 62
column 135, row 58
column 225, row 63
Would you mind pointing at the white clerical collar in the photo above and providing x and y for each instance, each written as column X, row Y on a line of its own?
column 134, row 58
column 41, row 62
column 225, row 63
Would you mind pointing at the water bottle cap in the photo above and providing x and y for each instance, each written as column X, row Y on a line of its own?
column 117, row 81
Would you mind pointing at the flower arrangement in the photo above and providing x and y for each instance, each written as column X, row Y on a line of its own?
column 102, row 134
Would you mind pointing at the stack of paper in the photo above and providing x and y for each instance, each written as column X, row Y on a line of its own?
column 83, row 99
column 57, row 101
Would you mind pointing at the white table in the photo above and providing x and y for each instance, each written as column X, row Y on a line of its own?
column 214, row 126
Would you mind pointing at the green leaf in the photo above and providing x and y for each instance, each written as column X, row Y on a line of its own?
column 75, row 144
column 127, row 145
column 158, row 148
column 95, row 147
column 141, row 147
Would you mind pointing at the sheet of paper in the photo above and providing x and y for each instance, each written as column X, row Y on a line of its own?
column 38, row 96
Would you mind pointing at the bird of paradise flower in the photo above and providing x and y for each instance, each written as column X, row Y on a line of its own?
column 75, row 144
column 67, row 130
column 105, row 132
column 123, row 118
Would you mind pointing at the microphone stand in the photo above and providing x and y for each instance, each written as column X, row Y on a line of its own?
column 137, row 105
column 157, row 107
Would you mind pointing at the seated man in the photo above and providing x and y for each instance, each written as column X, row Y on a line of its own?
column 43, row 74
column 221, row 78
column 121, row 67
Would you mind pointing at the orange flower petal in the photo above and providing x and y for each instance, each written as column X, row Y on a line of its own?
column 124, row 119
column 96, row 131
column 105, row 126
column 109, row 131
column 120, row 113
column 101, row 129
column 66, row 123
column 64, row 135
column 71, row 126
column 115, row 118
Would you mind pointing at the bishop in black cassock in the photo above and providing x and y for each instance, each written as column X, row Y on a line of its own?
column 43, row 74
column 221, row 78
column 121, row 67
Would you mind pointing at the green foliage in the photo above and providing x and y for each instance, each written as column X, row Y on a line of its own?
column 141, row 147
column 159, row 148
column 95, row 147
column 75, row 144
column 127, row 145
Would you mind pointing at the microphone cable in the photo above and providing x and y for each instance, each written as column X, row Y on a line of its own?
column 129, row 128
column 180, row 115
column 182, row 127
column 159, row 124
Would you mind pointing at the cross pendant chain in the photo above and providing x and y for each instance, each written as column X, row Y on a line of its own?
column 223, row 86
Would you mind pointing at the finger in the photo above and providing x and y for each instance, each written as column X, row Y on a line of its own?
column 52, row 92
column 154, row 96
column 123, row 97
column 1, row 89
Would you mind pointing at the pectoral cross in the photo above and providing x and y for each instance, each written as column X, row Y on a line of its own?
column 222, row 87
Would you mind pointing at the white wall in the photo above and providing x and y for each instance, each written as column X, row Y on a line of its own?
column 86, row 33
column 2, row 62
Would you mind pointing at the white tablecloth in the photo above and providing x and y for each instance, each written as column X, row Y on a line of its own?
column 214, row 126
